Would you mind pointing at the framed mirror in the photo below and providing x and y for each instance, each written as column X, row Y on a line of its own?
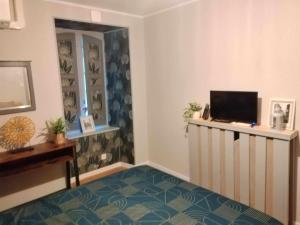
column 16, row 87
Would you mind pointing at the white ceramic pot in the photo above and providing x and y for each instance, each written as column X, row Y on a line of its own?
column 196, row 115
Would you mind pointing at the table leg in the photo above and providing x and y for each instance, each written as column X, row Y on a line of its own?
column 68, row 175
column 76, row 171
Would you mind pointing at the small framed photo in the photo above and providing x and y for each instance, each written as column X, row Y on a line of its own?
column 285, row 107
column 87, row 124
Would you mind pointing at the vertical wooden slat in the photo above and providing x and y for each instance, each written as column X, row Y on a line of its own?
column 229, row 164
column 244, row 168
column 204, row 145
column 269, row 178
column 210, row 160
column 236, row 170
column 281, row 156
column 195, row 152
column 222, row 163
column 293, row 180
column 260, row 172
column 216, row 159
column 252, row 182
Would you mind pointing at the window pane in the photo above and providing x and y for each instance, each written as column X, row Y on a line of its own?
column 94, row 76
column 69, row 78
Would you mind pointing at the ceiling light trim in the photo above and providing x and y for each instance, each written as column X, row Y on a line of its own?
column 170, row 8
column 95, row 8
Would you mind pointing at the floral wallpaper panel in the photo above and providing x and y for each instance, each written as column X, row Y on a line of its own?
column 119, row 89
column 69, row 78
column 89, row 150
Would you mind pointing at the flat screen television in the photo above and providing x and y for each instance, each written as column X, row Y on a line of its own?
column 233, row 106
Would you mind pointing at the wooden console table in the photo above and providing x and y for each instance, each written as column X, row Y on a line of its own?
column 41, row 155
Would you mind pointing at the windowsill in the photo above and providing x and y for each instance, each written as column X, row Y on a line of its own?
column 74, row 134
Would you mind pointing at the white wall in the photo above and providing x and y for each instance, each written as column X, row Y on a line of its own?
column 37, row 42
column 222, row 45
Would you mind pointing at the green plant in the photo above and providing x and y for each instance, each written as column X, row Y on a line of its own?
column 188, row 113
column 57, row 126
column 190, row 109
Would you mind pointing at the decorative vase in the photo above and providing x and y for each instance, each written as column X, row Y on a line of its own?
column 60, row 139
column 196, row 115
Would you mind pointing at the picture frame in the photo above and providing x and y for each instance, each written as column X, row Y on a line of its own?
column 16, row 87
column 287, row 106
column 87, row 124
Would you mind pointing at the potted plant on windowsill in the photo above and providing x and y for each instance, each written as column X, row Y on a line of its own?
column 58, row 129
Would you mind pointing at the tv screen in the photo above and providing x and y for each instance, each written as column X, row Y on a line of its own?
column 233, row 106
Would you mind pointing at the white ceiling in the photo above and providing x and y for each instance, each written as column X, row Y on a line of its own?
column 137, row 7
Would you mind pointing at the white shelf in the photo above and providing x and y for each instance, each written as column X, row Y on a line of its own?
column 99, row 130
column 256, row 130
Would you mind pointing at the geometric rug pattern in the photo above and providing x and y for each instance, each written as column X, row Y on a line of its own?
column 138, row 196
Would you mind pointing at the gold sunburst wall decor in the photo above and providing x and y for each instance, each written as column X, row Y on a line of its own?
column 16, row 133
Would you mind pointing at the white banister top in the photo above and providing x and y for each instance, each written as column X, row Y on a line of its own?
column 256, row 130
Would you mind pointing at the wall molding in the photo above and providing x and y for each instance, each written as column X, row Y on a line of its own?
column 170, row 8
column 105, row 10
column 95, row 8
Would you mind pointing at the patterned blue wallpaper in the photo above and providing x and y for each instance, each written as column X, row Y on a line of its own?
column 119, row 89
column 118, row 145
column 89, row 150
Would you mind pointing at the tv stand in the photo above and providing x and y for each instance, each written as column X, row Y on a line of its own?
column 252, row 165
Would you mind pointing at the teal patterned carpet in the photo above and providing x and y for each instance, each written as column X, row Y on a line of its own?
column 138, row 196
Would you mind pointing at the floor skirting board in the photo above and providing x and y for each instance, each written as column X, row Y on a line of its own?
column 166, row 170
column 102, row 170
column 126, row 165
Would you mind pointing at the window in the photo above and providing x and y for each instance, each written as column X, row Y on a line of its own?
column 82, row 69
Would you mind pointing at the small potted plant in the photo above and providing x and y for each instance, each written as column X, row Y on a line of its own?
column 57, row 128
column 191, row 111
